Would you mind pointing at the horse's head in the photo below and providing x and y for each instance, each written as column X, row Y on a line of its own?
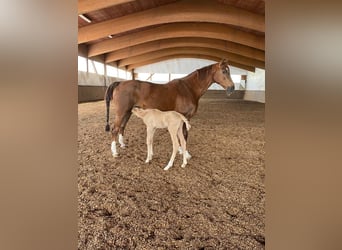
column 222, row 76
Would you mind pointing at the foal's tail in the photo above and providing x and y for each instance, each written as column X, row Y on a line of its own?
column 108, row 98
column 187, row 123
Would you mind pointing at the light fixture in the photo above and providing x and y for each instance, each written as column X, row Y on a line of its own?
column 85, row 18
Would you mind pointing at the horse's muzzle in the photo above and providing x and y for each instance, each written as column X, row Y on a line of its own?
column 230, row 90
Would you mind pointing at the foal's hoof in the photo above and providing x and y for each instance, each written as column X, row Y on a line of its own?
column 183, row 165
column 167, row 167
column 115, row 155
column 123, row 146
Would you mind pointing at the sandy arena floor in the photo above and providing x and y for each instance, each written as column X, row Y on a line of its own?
column 216, row 202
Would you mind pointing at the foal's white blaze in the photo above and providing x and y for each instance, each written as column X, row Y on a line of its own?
column 113, row 148
column 121, row 141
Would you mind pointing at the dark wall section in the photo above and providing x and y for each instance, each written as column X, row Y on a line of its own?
column 90, row 93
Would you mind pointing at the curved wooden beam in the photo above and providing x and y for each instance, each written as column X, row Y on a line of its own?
column 183, row 11
column 186, row 42
column 164, row 58
column 85, row 6
column 190, row 50
column 176, row 30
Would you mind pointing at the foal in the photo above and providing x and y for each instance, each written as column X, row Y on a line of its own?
column 173, row 121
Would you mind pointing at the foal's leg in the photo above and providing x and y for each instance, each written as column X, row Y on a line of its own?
column 173, row 133
column 183, row 145
column 149, row 143
column 122, row 128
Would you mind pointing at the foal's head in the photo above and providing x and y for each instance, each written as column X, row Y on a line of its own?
column 139, row 112
column 222, row 76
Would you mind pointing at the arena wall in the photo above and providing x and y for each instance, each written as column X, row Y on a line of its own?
column 91, row 87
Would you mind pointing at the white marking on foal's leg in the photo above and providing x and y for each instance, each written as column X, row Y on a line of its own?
column 121, row 141
column 113, row 148
column 168, row 165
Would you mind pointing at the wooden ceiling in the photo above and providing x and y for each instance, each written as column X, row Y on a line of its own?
column 148, row 31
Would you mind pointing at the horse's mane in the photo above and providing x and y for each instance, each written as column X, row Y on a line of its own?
column 204, row 72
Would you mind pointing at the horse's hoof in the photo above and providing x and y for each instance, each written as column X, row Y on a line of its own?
column 123, row 146
column 183, row 165
column 115, row 155
column 167, row 167
column 187, row 155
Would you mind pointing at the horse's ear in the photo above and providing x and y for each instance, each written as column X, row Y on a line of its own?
column 223, row 63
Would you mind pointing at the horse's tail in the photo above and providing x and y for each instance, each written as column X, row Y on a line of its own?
column 187, row 123
column 108, row 98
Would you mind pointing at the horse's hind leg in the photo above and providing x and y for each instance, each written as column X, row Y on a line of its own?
column 185, row 133
column 183, row 145
column 122, row 128
column 115, row 131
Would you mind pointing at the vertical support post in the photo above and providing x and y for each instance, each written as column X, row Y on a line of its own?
column 105, row 73
column 133, row 74
column 92, row 63
column 117, row 69
column 244, row 77
column 87, row 64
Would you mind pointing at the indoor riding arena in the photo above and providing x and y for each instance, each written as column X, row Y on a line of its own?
column 218, row 200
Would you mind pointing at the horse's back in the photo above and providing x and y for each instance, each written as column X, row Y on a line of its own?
column 170, row 96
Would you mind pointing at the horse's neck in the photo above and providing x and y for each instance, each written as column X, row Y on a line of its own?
column 199, row 81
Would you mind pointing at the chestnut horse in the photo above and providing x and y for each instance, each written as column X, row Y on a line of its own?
column 181, row 95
